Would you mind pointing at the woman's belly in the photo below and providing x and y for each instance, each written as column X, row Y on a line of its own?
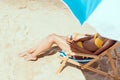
column 90, row 45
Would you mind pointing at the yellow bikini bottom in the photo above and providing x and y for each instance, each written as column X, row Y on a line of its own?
column 80, row 44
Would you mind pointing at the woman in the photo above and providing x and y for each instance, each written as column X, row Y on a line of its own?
column 90, row 44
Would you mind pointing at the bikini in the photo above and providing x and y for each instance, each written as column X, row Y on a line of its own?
column 98, row 42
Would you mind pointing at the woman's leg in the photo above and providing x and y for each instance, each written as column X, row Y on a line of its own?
column 29, row 51
column 46, row 43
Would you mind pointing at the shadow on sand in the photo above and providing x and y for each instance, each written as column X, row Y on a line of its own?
column 102, row 64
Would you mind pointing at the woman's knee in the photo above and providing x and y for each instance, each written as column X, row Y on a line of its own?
column 51, row 36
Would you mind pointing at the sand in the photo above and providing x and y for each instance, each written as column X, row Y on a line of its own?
column 23, row 23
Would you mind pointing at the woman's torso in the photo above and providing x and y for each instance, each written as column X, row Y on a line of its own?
column 91, row 44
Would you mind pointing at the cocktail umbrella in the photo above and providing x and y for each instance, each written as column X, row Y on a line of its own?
column 103, row 15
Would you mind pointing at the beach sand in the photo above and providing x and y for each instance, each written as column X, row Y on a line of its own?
column 23, row 23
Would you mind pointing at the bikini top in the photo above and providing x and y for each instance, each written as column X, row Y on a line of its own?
column 98, row 42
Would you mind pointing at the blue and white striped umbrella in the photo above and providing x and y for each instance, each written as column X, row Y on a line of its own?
column 103, row 15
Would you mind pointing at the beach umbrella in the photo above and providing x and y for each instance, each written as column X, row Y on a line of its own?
column 103, row 15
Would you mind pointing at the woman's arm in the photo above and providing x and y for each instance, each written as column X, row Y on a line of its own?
column 84, row 38
column 79, row 37
column 106, row 45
